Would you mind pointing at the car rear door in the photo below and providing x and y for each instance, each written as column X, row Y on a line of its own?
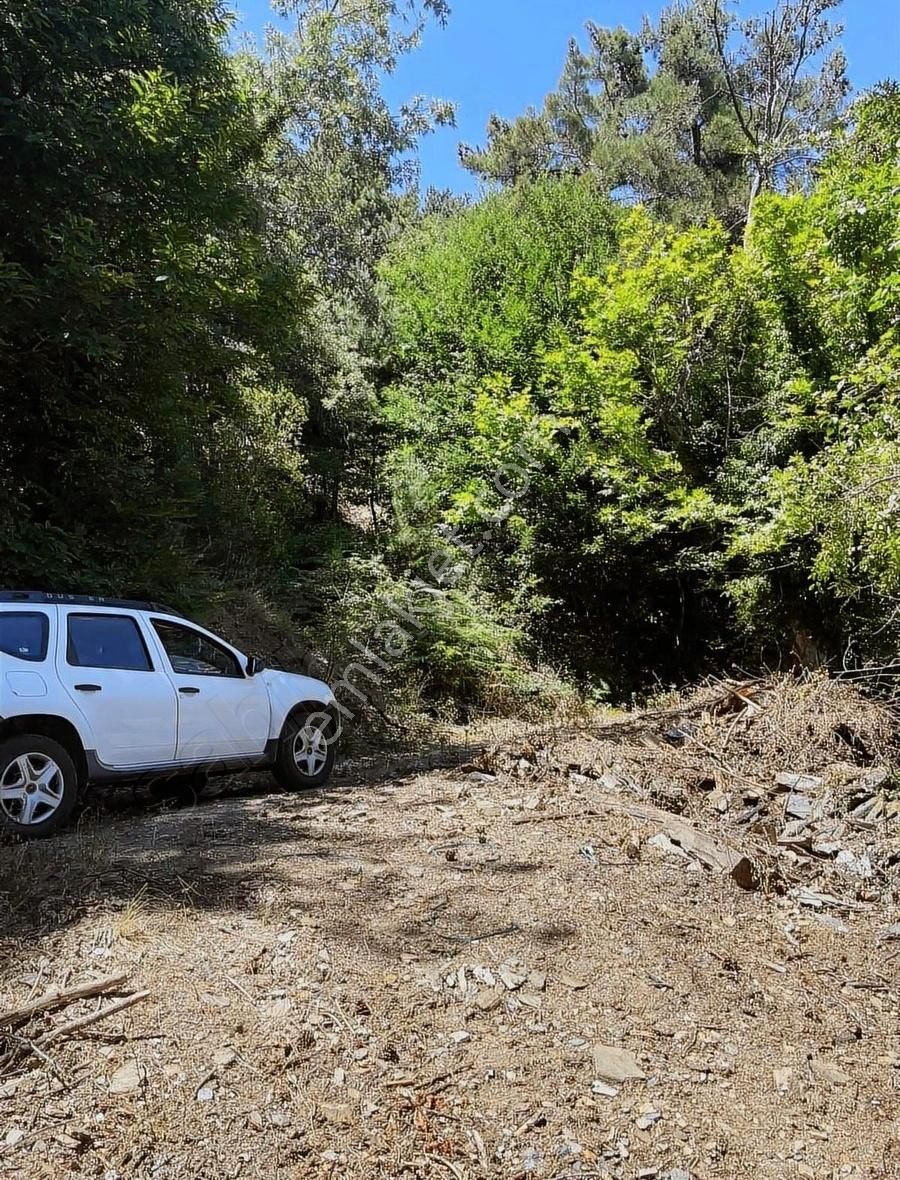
column 26, row 638
column 106, row 665
column 223, row 713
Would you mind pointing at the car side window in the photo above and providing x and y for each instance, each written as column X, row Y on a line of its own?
column 193, row 654
column 106, row 641
column 24, row 634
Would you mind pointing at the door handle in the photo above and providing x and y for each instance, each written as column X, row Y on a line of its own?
column 88, row 688
column 189, row 692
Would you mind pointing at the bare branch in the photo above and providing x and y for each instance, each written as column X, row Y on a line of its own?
column 736, row 103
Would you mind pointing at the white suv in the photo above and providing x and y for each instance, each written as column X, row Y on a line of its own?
column 99, row 689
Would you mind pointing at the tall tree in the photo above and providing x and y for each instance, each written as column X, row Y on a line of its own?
column 645, row 112
column 337, row 186
column 136, row 303
column 785, row 88
column 677, row 115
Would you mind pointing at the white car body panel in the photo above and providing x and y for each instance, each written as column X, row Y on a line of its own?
column 286, row 689
column 133, row 715
column 32, row 686
column 218, row 716
column 130, row 720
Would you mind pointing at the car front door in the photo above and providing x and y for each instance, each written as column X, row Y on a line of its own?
column 222, row 712
column 127, row 698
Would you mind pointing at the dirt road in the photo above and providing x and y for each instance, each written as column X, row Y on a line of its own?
column 400, row 978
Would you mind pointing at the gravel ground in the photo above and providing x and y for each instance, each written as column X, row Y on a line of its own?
column 437, row 974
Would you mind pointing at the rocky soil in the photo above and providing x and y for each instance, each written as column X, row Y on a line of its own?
column 665, row 947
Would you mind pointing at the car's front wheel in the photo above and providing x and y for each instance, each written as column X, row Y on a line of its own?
column 306, row 752
column 38, row 786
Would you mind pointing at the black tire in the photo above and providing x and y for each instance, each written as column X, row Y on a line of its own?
column 62, row 786
column 287, row 772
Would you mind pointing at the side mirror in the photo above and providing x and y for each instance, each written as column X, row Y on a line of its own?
column 254, row 666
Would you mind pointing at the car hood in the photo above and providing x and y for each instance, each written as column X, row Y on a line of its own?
column 291, row 689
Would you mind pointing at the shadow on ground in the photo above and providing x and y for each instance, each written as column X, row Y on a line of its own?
column 220, row 850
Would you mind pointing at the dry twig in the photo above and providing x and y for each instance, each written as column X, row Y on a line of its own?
column 55, row 998
column 64, row 1030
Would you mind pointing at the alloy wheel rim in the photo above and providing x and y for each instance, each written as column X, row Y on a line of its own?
column 31, row 789
column 310, row 750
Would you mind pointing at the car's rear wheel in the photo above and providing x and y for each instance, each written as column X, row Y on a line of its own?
column 38, row 786
column 306, row 752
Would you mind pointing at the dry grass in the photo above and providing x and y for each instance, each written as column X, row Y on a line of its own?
column 317, row 969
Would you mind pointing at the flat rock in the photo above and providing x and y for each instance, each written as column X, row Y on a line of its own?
column 874, row 778
column 615, row 1065
column 828, row 1072
column 782, row 1078
column 798, row 806
column 798, row 782
column 126, row 1079
column 797, row 834
column 662, row 843
column 529, row 999
column 510, row 978
column 487, row 1001
column 647, row 1120
column 339, row 1114
column 830, row 922
column 575, row 982
column 851, row 865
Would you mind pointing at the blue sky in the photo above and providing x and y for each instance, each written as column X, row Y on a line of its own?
column 502, row 55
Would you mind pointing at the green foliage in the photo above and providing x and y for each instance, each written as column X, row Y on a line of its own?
column 646, row 113
column 823, row 537
column 404, row 646
column 475, row 293
column 475, row 438
column 710, row 432
column 185, row 341
column 138, row 303
column 679, row 115
column 336, row 186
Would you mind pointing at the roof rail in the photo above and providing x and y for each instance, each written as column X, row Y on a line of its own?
column 49, row 598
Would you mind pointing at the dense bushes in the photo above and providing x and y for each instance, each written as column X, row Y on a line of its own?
column 140, row 310
column 714, row 429
column 821, row 541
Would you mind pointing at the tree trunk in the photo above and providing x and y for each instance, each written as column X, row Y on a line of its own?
column 696, row 145
column 756, row 184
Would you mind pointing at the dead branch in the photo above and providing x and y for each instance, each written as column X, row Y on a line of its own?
column 64, row 1030
column 552, row 817
column 54, row 998
column 714, row 854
